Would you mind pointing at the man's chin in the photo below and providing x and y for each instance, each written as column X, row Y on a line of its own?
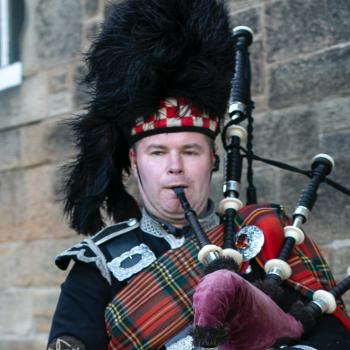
column 174, row 212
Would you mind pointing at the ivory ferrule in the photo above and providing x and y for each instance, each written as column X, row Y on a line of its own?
column 236, row 130
column 325, row 300
column 294, row 232
column 209, row 253
column 278, row 267
column 229, row 203
column 234, row 254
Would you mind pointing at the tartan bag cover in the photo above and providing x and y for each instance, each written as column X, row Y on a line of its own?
column 157, row 303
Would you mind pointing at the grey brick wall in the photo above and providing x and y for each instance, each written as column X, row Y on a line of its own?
column 301, row 89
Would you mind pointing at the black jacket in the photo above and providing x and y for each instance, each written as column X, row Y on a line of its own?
column 87, row 291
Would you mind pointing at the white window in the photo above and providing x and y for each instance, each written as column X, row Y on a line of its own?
column 11, row 20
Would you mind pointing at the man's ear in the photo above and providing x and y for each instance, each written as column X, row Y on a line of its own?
column 216, row 162
column 132, row 157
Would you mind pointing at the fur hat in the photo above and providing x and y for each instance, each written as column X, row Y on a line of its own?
column 148, row 51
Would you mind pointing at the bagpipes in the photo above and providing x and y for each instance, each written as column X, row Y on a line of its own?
column 215, row 325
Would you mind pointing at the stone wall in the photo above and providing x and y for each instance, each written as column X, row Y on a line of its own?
column 301, row 60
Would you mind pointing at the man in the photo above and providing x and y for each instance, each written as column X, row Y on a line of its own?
column 160, row 73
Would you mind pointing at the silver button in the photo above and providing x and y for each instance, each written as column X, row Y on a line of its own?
column 132, row 222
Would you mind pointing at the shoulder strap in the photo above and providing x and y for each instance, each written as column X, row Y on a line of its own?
column 92, row 249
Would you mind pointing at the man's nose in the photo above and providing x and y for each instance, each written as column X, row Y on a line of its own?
column 175, row 164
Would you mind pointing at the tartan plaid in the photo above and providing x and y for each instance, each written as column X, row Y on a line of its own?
column 157, row 303
column 175, row 113
column 310, row 271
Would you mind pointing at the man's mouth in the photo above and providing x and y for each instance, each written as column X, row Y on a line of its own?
column 171, row 187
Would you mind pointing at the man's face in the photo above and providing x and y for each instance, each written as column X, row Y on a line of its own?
column 163, row 161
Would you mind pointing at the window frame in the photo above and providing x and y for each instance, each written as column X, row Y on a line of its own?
column 11, row 73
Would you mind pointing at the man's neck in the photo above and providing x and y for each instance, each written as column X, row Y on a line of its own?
column 207, row 220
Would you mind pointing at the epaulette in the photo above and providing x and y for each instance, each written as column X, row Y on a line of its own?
column 94, row 250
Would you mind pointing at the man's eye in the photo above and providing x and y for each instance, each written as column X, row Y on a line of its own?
column 191, row 153
column 157, row 153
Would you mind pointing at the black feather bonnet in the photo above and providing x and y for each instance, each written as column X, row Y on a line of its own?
column 147, row 51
